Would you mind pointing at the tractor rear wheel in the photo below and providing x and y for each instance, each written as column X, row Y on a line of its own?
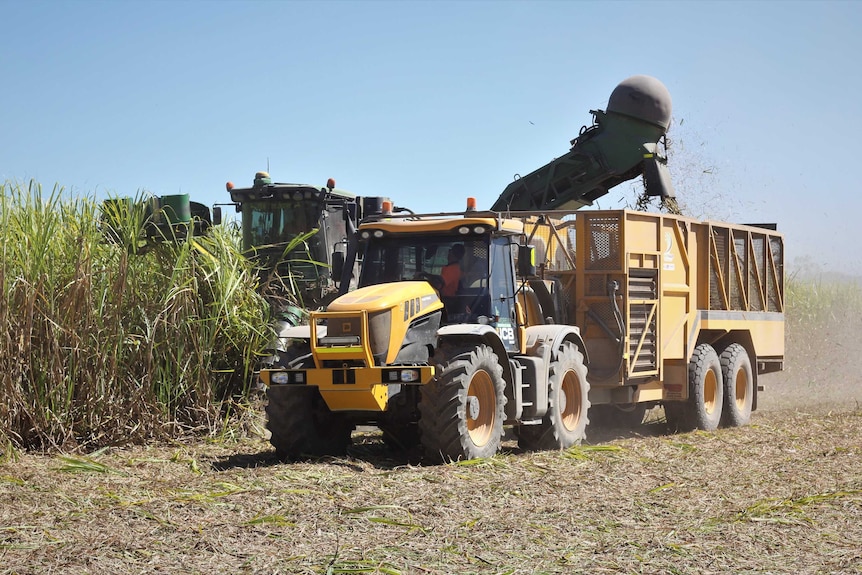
column 738, row 385
column 565, row 424
column 301, row 424
column 462, row 409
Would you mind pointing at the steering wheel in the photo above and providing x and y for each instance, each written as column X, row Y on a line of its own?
column 433, row 279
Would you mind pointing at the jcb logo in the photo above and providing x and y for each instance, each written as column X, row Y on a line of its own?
column 412, row 307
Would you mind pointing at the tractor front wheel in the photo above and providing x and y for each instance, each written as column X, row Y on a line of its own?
column 462, row 409
column 302, row 425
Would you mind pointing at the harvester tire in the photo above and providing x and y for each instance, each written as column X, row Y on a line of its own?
column 462, row 409
column 706, row 391
column 738, row 385
column 301, row 425
column 565, row 424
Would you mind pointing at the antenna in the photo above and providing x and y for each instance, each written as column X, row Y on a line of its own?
column 267, row 165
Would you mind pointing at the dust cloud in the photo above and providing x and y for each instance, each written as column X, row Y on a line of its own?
column 821, row 370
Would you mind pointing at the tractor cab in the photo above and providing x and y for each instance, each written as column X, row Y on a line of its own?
column 468, row 262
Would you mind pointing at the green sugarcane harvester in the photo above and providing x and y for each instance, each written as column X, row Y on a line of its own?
column 300, row 235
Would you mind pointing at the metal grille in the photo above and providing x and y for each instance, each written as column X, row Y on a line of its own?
column 603, row 312
column 643, row 321
column 604, row 243
column 597, row 285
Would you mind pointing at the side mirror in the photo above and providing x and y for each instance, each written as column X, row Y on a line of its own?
column 337, row 265
column 526, row 261
column 217, row 215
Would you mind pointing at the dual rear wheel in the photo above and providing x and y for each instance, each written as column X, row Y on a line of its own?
column 721, row 390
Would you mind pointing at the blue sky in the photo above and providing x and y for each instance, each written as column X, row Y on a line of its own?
column 431, row 102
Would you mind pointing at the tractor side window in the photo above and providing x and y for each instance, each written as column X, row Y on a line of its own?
column 334, row 229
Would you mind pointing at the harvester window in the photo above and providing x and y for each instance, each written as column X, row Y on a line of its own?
column 274, row 222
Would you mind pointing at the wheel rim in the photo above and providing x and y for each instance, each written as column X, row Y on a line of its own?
column 710, row 392
column 480, row 425
column 570, row 401
column 741, row 388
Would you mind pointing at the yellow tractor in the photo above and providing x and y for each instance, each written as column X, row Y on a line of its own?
column 427, row 360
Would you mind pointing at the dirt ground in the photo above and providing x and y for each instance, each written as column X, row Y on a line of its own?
column 782, row 495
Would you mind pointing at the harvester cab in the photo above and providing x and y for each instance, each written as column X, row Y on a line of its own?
column 294, row 232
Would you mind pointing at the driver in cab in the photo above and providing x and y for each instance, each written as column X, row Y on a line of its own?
column 451, row 272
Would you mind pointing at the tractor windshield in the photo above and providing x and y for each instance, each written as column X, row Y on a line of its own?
column 269, row 227
column 447, row 263
column 456, row 267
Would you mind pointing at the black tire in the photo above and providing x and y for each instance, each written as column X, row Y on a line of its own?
column 565, row 424
column 399, row 423
column 706, row 392
column 738, row 385
column 462, row 409
column 301, row 424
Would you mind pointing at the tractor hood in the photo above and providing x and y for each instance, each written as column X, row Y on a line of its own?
column 408, row 298
column 378, row 324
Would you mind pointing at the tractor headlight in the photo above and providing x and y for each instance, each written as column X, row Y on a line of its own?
column 395, row 375
column 409, row 375
column 287, row 377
